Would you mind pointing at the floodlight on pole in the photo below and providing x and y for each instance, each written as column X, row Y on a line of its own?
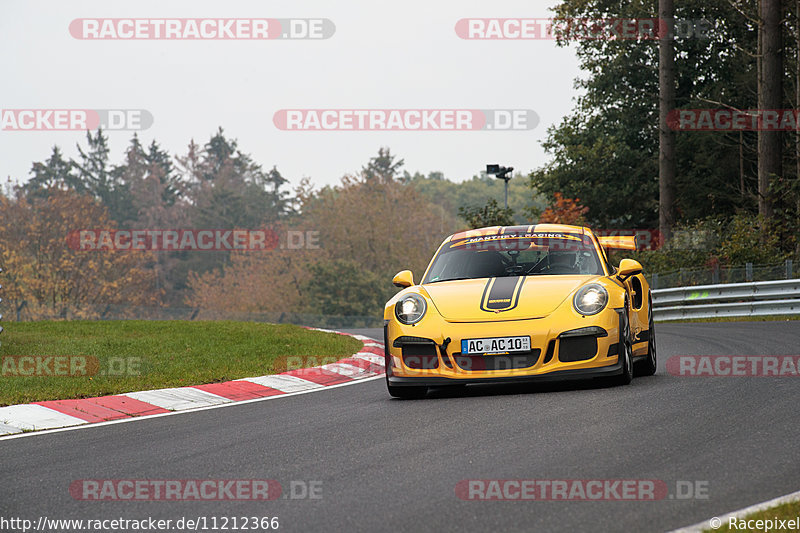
column 502, row 173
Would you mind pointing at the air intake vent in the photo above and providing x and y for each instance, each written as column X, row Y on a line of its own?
column 477, row 363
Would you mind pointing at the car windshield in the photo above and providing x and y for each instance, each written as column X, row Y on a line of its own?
column 529, row 254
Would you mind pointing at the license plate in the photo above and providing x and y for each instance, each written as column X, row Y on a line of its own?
column 495, row 345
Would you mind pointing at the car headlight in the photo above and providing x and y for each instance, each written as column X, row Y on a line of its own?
column 590, row 299
column 410, row 309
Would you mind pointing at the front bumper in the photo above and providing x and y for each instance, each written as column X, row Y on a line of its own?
column 555, row 376
column 553, row 356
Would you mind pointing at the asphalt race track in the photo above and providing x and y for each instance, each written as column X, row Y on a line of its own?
column 393, row 465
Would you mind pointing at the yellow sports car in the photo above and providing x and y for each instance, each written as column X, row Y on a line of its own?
column 521, row 303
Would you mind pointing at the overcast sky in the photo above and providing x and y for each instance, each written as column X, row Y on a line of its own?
column 382, row 55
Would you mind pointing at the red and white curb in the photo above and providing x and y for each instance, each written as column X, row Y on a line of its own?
column 367, row 363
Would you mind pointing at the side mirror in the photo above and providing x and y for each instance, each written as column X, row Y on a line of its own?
column 628, row 268
column 403, row 279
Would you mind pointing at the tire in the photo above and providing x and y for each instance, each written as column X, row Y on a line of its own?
column 625, row 350
column 408, row 393
column 649, row 365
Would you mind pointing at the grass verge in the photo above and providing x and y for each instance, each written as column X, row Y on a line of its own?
column 90, row 359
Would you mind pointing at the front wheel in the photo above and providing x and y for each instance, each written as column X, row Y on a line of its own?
column 625, row 349
column 648, row 366
column 408, row 393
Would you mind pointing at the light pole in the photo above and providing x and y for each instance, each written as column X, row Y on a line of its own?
column 501, row 173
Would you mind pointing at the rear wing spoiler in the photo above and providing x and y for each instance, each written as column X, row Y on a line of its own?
column 618, row 242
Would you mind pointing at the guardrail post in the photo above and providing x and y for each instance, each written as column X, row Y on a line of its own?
column 748, row 271
column 655, row 281
column 788, row 269
column 715, row 273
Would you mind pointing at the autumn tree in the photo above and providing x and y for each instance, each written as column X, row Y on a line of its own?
column 46, row 276
column 384, row 225
column 254, row 282
column 564, row 211
column 368, row 228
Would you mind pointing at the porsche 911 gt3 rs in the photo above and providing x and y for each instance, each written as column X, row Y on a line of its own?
column 519, row 303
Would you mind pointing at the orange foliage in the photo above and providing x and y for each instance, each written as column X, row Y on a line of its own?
column 254, row 282
column 564, row 211
column 45, row 277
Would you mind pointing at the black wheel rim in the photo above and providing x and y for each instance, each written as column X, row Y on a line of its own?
column 628, row 363
column 628, row 350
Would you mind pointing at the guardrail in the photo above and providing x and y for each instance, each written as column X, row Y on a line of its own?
column 760, row 298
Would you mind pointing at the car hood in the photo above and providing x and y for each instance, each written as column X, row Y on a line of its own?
column 506, row 298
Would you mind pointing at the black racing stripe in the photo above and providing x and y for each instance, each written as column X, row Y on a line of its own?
column 502, row 294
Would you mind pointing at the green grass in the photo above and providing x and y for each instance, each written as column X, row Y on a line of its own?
column 142, row 355
column 786, row 511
